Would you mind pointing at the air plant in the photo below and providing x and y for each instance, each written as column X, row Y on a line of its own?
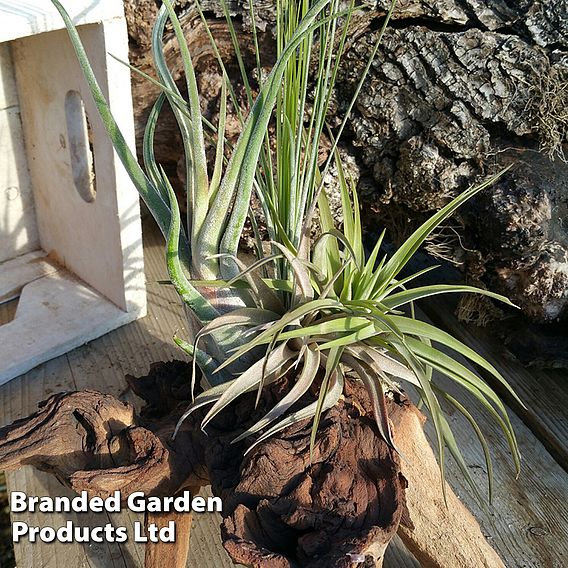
column 310, row 310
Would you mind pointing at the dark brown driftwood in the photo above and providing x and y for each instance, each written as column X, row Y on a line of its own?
column 350, row 500
column 278, row 509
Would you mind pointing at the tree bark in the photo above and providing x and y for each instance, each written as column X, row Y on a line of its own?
column 458, row 90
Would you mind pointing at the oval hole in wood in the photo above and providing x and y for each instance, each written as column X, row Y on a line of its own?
column 8, row 310
column 80, row 146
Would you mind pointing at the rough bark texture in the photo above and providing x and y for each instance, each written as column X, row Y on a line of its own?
column 353, row 483
column 520, row 230
column 460, row 92
column 279, row 510
column 458, row 89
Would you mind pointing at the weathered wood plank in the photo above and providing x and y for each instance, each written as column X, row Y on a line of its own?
column 96, row 238
column 55, row 313
column 16, row 273
column 18, row 228
column 543, row 392
column 172, row 554
column 397, row 555
column 36, row 16
column 528, row 521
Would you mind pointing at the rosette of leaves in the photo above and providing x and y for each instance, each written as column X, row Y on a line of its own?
column 311, row 311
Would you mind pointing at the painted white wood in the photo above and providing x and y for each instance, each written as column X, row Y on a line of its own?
column 16, row 273
column 21, row 18
column 18, row 228
column 55, row 314
column 98, row 241
column 8, row 90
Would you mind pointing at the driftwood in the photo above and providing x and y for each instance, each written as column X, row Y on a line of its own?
column 440, row 536
column 279, row 511
column 458, row 89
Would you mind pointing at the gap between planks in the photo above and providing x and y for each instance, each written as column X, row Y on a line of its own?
column 544, row 392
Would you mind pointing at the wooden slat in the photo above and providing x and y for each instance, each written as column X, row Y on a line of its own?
column 528, row 522
column 397, row 555
column 16, row 273
column 98, row 240
column 18, row 228
column 55, row 313
column 21, row 19
column 543, row 392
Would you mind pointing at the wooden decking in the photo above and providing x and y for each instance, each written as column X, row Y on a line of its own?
column 527, row 525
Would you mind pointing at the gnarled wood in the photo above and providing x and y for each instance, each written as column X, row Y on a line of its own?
column 348, row 502
column 279, row 509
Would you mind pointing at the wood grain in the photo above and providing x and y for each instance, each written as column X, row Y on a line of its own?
column 18, row 230
column 542, row 391
column 527, row 523
column 174, row 555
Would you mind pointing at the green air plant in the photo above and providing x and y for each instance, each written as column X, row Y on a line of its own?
column 310, row 311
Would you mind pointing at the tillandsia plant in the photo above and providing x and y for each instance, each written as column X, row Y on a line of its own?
column 313, row 310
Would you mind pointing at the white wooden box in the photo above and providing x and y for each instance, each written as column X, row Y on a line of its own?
column 70, row 235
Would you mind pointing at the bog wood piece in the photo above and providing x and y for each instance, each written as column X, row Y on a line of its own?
column 172, row 555
column 441, row 534
column 88, row 426
column 280, row 511
column 56, row 197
